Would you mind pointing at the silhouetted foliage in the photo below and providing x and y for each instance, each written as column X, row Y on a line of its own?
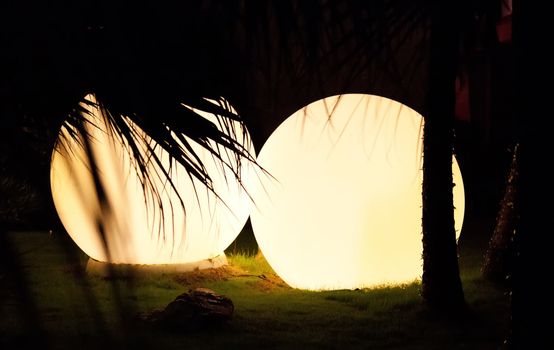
column 498, row 257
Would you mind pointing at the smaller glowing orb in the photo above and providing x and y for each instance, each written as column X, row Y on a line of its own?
column 342, row 207
column 136, row 230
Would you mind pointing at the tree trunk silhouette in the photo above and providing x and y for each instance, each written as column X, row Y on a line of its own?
column 497, row 264
column 532, row 265
column 441, row 284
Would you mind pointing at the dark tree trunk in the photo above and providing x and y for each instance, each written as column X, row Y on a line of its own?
column 531, row 296
column 497, row 264
column 441, row 285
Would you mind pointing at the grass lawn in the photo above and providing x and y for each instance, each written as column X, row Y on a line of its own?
column 76, row 310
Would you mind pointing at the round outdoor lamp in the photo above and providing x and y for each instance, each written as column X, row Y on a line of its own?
column 131, row 226
column 340, row 204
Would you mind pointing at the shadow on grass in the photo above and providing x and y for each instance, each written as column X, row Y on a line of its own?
column 268, row 313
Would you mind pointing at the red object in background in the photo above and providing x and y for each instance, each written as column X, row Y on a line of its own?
column 463, row 111
column 504, row 30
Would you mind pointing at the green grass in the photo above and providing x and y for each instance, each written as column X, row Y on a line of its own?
column 84, row 311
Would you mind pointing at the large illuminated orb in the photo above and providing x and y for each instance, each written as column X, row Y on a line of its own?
column 136, row 229
column 341, row 208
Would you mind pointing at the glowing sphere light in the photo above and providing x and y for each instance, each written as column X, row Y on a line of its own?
column 136, row 229
column 342, row 207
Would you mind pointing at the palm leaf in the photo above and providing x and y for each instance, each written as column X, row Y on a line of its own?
column 174, row 132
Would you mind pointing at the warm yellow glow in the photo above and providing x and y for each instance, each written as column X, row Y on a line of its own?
column 344, row 207
column 140, row 233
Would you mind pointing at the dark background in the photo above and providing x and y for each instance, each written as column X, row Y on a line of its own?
column 53, row 54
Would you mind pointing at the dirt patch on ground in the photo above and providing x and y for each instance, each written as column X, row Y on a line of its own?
column 269, row 283
column 197, row 277
column 264, row 283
